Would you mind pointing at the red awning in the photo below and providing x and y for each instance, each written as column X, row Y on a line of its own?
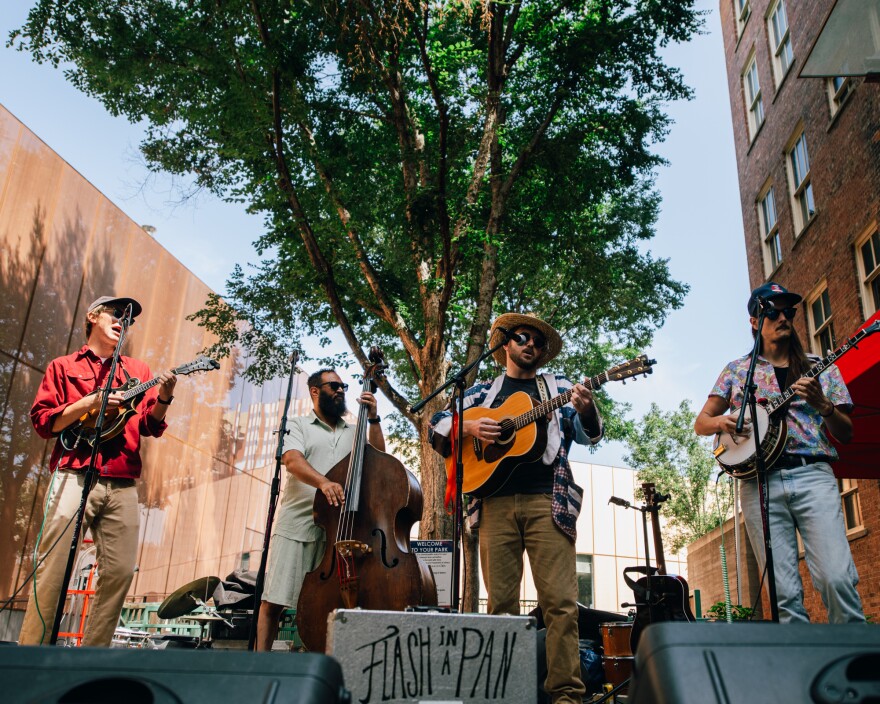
column 860, row 367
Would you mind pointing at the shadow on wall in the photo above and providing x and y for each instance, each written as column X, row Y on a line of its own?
column 42, row 272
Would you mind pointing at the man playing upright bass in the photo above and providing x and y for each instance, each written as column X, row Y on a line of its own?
column 536, row 509
column 803, row 493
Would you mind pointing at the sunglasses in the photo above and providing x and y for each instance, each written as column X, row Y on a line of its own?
column 773, row 313
column 334, row 385
column 537, row 340
column 117, row 313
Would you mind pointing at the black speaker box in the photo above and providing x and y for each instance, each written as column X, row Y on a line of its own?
column 758, row 663
column 136, row 676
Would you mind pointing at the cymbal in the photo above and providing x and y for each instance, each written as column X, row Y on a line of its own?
column 186, row 598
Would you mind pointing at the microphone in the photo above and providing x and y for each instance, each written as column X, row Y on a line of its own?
column 129, row 309
column 516, row 337
column 619, row 502
column 763, row 302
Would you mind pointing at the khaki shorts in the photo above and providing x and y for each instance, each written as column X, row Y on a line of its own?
column 289, row 562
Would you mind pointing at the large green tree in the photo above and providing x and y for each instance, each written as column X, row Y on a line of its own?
column 665, row 450
column 421, row 165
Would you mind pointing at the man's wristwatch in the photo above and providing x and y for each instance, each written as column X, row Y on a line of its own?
column 375, row 420
column 164, row 403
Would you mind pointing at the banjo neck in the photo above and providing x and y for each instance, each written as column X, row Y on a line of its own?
column 786, row 396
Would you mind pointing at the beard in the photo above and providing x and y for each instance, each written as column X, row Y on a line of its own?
column 331, row 405
column 525, row 364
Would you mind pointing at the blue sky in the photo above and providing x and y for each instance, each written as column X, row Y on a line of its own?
column 699, row 230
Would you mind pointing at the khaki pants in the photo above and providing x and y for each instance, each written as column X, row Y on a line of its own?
column 112, row 515
column 508, row 525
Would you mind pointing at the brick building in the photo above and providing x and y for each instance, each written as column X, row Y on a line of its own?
column 808, row 157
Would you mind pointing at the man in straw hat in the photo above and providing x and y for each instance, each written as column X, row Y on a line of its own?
column 537, row 507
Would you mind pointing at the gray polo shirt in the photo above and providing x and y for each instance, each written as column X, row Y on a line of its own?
column 323, row 447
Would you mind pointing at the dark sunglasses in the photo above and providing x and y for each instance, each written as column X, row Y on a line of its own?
column 334, row 385
column 773, row 313
column 537, row 340
column 117, row 313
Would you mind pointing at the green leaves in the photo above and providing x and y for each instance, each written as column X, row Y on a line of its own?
column 665, row 450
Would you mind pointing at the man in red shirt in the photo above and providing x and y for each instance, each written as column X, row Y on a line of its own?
column 66, row 395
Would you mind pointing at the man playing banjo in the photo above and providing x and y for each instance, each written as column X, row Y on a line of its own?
column 803, row 492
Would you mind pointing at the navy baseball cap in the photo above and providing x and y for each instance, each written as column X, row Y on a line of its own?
column 121, row 300
column 770, row 291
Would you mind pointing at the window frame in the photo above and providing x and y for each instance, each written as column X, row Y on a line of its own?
column 592, row 577
column 771, row 241
column 826, row 327
column 837, row 97
column 868, row 280
column 849, row 491
column 781, row 66
column 754, row 103
column 742, row 10
column 801, row 191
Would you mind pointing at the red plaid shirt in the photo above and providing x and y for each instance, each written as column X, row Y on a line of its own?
column 73, row 376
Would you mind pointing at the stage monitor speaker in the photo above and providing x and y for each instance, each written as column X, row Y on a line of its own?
column 759, row 663
column 139, row 676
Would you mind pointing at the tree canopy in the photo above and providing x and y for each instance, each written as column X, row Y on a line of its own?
column 422, row 165
column 665, row 450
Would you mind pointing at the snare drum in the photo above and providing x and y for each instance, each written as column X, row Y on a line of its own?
column 615, row 638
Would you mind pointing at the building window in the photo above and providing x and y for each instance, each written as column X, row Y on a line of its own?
column 754, row 101
column 769, row 230
column 585, row 579
column 780, row 40
column 802, row 188
column 743, row 11
column 821, row 324
column 839, row 89
column 852, row 509
column 868, row 260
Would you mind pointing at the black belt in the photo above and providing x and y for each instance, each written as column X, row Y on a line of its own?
column 787, row 461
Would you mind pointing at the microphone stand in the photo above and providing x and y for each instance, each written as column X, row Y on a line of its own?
column 749, row 389
column 89, row 476
column 459, row 380
column 273, row 502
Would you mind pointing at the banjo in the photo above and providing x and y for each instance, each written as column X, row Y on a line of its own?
column 736, row 455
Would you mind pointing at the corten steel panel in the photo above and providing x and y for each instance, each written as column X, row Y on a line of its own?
column 104, row 259
column 10, row 131
column 52, row 313
column 214, row 518
column 28, row 200
column 22, row 479
column 236, row 511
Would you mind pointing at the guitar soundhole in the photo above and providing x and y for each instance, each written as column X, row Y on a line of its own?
column 508, row 431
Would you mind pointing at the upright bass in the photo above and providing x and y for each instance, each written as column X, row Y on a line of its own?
column 367, row 562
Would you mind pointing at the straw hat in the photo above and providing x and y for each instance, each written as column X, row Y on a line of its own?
column 512, row 321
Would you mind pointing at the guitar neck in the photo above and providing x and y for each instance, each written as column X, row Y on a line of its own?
column 545, row 407
column 819, row 367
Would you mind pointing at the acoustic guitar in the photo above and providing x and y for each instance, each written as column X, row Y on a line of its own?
column 488, row 465
column 659, row 596
column 115, row 419
column 736, row 455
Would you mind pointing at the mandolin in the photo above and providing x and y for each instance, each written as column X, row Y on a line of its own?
column 115, row 419
column 488, row 465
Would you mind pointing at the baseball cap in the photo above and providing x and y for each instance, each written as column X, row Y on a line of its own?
column 122, row 300
column 770, row 291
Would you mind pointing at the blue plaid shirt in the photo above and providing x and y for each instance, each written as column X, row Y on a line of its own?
column 568, row 497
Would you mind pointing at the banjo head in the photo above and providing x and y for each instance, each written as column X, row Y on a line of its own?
column 736, row 455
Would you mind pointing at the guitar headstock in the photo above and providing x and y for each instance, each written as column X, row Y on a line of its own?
column 199, row 364
column 631, row 369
